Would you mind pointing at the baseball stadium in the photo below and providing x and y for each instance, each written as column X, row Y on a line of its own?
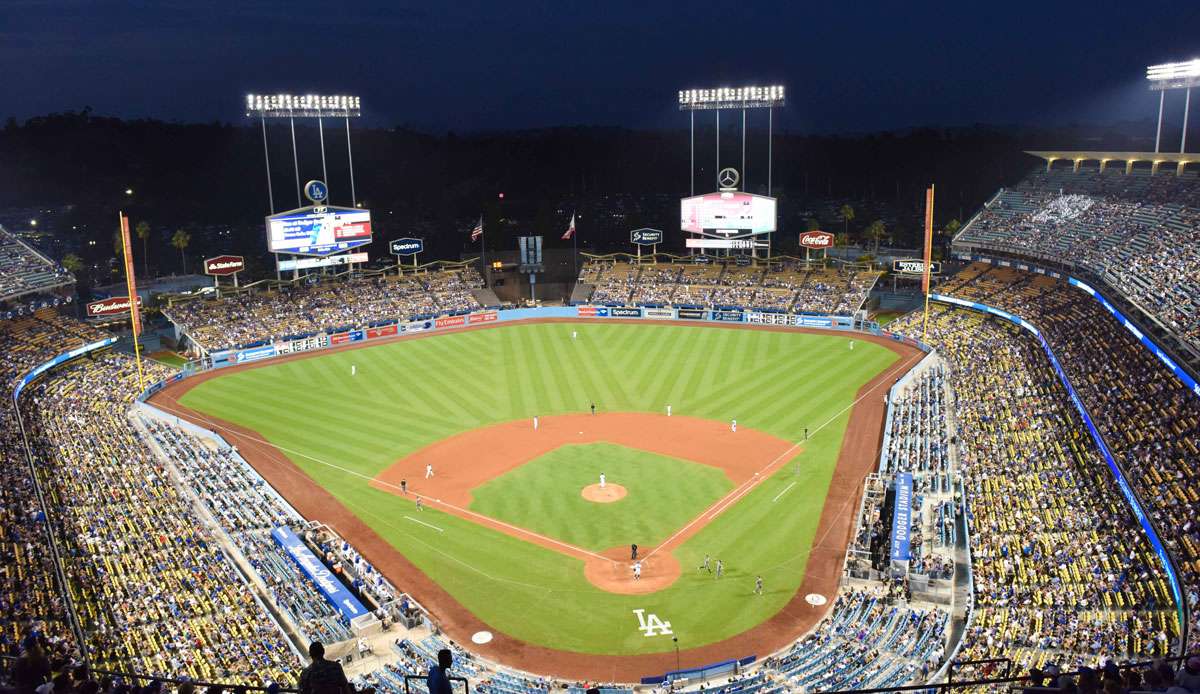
column 704, row 464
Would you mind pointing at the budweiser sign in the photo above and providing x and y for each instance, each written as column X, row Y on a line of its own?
column 816, row 239
column 224, row 265
column 110, row 307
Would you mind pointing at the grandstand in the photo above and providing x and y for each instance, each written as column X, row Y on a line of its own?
column 24, row 272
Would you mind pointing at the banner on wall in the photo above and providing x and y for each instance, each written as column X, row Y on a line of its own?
column 331, row 588
column 902, row 518
column 622, row 312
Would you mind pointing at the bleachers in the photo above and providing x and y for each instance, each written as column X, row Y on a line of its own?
column 25, row 271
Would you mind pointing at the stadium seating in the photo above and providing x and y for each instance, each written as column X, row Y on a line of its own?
column 785, row 286
column 253, row 316
column 25, row 271
column 1150, row 421
column 1140, row 232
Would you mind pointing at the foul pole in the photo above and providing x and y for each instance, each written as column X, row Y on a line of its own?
column 135, row 316
column 928, row 258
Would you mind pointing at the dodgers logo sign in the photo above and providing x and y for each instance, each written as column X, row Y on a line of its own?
column 316, row 191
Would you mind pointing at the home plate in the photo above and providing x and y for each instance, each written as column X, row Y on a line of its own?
column 816, row 599
column 481, row 637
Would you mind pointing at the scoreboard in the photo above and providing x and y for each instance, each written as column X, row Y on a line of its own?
column 318, row 230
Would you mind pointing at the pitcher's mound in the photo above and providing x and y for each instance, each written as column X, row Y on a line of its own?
column 613, row 572
column 604, row 495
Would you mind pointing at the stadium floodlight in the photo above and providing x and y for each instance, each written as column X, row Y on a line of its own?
column 731, row 98
column 302, row 106
column 1174, row 75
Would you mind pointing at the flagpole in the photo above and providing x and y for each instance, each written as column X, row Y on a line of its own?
column 483, row 246
column 575, row 242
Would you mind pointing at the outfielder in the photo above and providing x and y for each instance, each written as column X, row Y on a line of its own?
column 574, row 334
column 758, row 585
column 705, row 566
column 720, row 568
column 353, row 370
column 852, row 345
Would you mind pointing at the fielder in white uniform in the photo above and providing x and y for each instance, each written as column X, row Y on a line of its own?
column 602, row 480
column 668, row 410
column 353, row 370
column 535, row 422
column 733, row 425
column 428, row 471
column 637, row 571
column 852, row 345
column 574, row 334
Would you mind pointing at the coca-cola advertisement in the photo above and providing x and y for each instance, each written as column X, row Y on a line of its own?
column 818, row 240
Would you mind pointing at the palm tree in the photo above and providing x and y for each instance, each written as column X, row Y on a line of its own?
column 952, row 227
column 180, row 240
column 143, row 232
column 72, row 263
column 811, row 224
column 846, row 214
column 876, row 232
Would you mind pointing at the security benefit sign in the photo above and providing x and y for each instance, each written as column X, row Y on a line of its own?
column 646, row 237
column 902, row 518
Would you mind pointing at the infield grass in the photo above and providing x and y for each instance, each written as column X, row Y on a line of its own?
column 343, row 430
column 543, row 495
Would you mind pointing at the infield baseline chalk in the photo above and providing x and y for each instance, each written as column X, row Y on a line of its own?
column 785, row 491
column 425, row 524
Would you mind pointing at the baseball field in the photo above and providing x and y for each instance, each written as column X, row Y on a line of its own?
column 512, row 532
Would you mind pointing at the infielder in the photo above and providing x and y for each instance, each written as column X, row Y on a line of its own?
column 602, row 480
column 428, row 470
column 758, row 585
column 637, row 571
column 535, row 422
column 668, row 410
column 720, row 568
column 733, row 425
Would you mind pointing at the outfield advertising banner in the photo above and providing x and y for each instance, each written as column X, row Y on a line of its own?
column 416, row 326
column 385, row 331
column 254, row 354
column 305, row 344
column 660, row 313
column 450, row 321
column 691, row 313
column 593, row 311
column 726, row 316
column 759, row 318
column 814, row 321
column 485, row 317
column 329, row 585
column 348, row 336
column 622, row 312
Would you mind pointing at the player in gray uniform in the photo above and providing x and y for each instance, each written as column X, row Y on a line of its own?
column 705, row 566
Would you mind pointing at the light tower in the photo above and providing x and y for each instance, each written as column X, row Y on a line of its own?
column 731, row 98
column 1174, row 76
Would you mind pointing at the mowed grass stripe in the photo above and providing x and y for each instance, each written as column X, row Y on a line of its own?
column 524, row 590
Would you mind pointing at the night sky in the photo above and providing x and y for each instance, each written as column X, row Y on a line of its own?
column 466, row 65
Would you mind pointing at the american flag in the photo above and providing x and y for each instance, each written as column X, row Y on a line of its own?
column 478, row 230
column 570, row 230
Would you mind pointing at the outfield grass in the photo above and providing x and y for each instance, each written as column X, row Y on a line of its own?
column 343, row 430
column 543, row 495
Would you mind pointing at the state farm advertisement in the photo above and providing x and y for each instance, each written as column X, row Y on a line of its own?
column 224, row 265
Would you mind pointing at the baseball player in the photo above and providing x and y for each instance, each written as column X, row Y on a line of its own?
column 852, row 345
column 353, row 369
column 404, row 486
column 706, row 565
column 420, row 504
column 758, row 585
column 574, row 334
column 535, row 422
column 593, row 408
column 733, row 425
column 633, row 552
column 668, row 410
column 637, row 571
column 602, row 480
column 428, row 470
column 720, row 569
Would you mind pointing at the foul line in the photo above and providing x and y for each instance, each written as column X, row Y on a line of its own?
column 425, row 524
column 745, row 487
column 785, row 491
column 458, row 510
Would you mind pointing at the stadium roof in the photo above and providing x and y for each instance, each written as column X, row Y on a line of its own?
column 1156, row 158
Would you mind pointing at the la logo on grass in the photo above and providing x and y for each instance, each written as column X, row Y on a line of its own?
column 651, row 625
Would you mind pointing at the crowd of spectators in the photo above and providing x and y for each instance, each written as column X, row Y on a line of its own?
column 1062, row 573
column 789, row 286
column 1149, row 419
column 1140, row 232
column 24, row 270
column 252, row 316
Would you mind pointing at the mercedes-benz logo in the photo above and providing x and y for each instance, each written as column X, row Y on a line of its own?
column 728, row 177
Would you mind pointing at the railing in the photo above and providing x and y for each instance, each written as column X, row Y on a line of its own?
column 453, row 679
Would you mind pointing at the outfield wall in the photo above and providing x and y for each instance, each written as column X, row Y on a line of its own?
column 386, row 329
column 1131, row 498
